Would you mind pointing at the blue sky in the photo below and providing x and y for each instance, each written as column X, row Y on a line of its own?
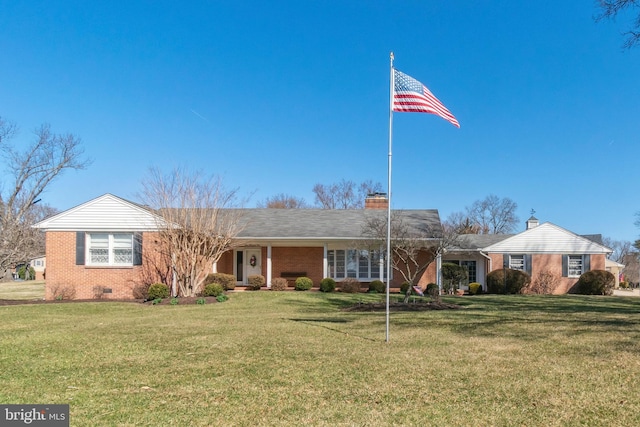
column 278, row 96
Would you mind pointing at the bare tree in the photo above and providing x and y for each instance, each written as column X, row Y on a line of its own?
column 612, row 8
column 344, row 194
column 283, row 201
column 620, row 248
column 543, row 283
column 413, row 248
column 460, row 223
column 196, row 225
column 493, row 215
column 31, row 171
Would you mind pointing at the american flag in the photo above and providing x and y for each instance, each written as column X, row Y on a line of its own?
column 411, row 96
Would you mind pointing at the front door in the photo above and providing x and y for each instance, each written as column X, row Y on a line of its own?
column 248, row 263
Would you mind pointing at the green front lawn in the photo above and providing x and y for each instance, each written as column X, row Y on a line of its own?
column 22, row 290
column 293, row 358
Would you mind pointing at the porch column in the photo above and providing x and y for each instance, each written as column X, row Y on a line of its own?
column 325, row 262
column 381, row 265
column 215, row 267
column 269, row 271
column 439, row 271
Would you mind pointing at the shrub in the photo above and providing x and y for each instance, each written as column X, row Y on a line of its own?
column 222, row 298
column 327, row 285
column 156, row 301
column 174, row 301
column 213, row 290
column 228, row 281
column 25, row 274
column 624, row 285
column 98, row 291
column 543, row 283
column 303, row 284
column 158, row 290
column 516, row 281
column 140, row 291
column 279, row 284
column 433, row 290
column 475, row 288
column 60, row 292
column 377, row 286
column 350, row 285
column 255, row 282
column 453, row 275
column 201, row 301
column 594, row 282
column 404, row 288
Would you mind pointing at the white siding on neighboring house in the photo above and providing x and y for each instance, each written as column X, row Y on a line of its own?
column 547, row 238
column 104, row 213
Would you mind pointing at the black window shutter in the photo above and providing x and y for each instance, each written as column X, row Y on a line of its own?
column 587, row 263
column 565, row 265
column 137, row 249
column 527, row 263
column 80, row 247
column 505, row 260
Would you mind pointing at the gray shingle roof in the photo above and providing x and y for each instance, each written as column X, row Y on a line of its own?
column 477, row 241
column 326, row 223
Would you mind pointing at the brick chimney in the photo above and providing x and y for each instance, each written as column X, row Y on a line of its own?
column 376, row 201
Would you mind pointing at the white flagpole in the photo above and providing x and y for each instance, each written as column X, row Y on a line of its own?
column 389, row 194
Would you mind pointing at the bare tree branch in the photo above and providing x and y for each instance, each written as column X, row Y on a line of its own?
column 31, row 170
column 612, row 8
column 196, row 226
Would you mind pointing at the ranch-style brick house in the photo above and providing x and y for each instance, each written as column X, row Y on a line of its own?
column 109, row 244
column 541, row 247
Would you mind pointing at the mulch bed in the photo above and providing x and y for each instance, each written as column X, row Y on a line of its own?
column 166, row 301
column 400, row 306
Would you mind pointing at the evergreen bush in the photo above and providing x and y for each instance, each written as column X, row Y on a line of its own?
column 377, row 286
column 212, row 290
column 228, row 281
column 595, row 282
column 303, row 284
column 158, row 291
column 279, row 284
column 516, row 281
column 327, row 285
column 475, row 288
column 255, row 282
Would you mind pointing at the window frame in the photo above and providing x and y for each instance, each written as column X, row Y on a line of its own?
column 343, row 263
column 113, row 244
column 571, row 269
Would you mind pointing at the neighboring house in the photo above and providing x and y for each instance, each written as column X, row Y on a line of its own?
column 614, row 268
column 545, row 247
column 39, row 265
column 110, row 243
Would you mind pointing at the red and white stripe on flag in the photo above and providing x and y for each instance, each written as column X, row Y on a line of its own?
column 411, row 96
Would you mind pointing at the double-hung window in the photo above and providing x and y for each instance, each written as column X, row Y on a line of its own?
column 110, row 249
column 575, row 264
column 516, row 262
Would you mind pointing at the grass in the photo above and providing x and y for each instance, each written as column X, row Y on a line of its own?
column 293, row 358
column 22, row 290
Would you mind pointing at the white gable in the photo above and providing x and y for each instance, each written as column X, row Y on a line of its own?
column 105, row 213
column 547, row 238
